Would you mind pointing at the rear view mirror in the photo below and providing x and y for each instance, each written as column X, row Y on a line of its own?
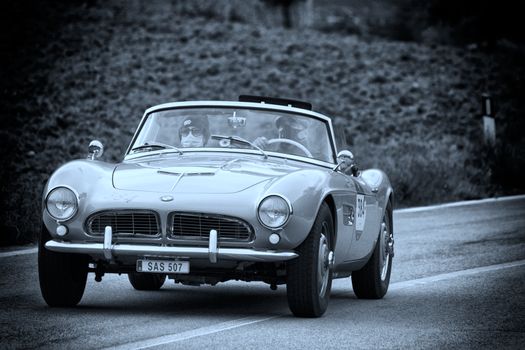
column 346, row 163
column 95, row 149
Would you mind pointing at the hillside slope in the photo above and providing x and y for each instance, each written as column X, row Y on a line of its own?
column 409, row 109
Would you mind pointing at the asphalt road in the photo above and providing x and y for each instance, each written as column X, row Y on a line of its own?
column 458, row 281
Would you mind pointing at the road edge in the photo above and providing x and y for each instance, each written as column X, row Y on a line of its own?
column 460, row 204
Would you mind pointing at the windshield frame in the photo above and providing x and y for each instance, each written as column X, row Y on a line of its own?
column 228, row 104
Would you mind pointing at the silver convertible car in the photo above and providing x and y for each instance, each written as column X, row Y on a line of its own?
column 211, row 191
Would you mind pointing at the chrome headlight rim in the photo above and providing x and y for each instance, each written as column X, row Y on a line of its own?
column 288, row 205
column 75, row 193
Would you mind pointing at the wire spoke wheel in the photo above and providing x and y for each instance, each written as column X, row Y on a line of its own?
column 323, row 263
column 386, row 249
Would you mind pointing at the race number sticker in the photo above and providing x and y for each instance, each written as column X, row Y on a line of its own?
column 360, row 214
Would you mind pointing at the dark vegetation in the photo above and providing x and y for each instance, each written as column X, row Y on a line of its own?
column 77, row 71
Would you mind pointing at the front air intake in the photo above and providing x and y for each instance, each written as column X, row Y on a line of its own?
column 124, row 223
column 198, row 226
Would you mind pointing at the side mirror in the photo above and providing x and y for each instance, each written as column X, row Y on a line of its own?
column 95, row 149
column 346, row 163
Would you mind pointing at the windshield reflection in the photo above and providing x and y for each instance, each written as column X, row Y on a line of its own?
column 264, row 130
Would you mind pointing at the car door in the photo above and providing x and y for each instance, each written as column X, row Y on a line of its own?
column 343, row 192
column 358, row 213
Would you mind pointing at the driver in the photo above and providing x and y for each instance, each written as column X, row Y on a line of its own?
column 194, row 132
column 288, row 128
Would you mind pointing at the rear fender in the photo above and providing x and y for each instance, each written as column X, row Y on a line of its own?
column 380, row 185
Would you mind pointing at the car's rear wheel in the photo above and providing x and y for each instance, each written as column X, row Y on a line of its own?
column 309, row 276
column 62, row 275
column 371, row 282
column 146, row 281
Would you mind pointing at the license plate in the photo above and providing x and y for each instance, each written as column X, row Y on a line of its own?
column 163, row 266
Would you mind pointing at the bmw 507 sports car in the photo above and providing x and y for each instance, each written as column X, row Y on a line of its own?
column 211, row 191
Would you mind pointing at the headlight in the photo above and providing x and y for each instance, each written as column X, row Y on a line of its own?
column 62, row 203
column 274, row 211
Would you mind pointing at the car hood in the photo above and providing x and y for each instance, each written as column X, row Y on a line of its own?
column 228, row 175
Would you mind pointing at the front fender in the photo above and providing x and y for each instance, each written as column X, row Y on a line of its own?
column 84, row 177
column 306, row 190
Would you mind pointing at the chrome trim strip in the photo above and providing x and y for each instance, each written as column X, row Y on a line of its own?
column 231, row 104
column 238, row 254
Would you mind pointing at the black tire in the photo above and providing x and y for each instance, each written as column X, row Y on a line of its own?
column 62, row 276
column 146, row 281
column 371, row 282
column 307, row 295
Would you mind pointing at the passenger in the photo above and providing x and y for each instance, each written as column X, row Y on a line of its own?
column 194, row 132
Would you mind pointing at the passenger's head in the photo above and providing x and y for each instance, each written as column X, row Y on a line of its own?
column 195, row 131
column 292, row 128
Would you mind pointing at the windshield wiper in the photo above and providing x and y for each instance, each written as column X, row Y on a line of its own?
column 155, row 145
column 240, row 140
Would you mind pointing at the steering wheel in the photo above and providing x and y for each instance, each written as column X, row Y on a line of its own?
column 293, row 143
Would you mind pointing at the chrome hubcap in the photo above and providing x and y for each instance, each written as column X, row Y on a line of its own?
column 324, row 261
column 386, row 249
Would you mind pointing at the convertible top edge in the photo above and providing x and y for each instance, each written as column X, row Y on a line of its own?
column 216, row 103
column 276, row 101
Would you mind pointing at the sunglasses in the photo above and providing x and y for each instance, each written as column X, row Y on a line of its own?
column 194, row 131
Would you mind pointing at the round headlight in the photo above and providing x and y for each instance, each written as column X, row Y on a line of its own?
column 62, row 203
column 274, row 211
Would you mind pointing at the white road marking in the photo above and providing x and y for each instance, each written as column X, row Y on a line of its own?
column 18, row 252
column 173, row 338
column 224, row 326
column 455, row 274
column 460, row 204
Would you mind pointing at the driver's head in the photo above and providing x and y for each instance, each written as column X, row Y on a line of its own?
column 194, row 131
column 292, row 128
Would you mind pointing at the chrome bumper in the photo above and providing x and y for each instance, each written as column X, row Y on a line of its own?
column 109, row 250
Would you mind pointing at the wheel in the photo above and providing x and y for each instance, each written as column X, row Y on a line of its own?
column 371, row 282
column 309, row 276
column 146, row 281
column 62, row 276
column 293, row 143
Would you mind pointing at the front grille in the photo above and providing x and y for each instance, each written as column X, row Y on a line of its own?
column 198, row 226
column 124, row 223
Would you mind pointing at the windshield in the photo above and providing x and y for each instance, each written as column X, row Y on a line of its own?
column 263, row 131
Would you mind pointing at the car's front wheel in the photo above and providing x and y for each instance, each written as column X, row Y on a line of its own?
column 62, row 275
column 309, row 276
column 371, row 282
column 146, row 281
